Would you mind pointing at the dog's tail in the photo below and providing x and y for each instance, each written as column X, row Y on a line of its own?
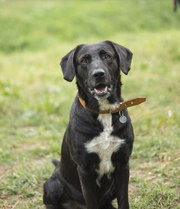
column 55, row 162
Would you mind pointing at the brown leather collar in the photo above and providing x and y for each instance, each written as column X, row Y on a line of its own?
column 123, row 105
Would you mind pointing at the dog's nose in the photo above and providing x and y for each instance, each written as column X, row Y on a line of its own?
column 98, row 73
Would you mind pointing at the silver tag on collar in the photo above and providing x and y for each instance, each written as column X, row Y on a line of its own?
column 122, row 118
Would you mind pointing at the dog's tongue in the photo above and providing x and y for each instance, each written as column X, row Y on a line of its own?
column 101, row 89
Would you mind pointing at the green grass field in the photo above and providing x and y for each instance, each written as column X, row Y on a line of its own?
column 35, row 100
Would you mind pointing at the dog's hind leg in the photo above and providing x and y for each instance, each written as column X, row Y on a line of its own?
column 53, row 191
column 108, row 206
column 53, row 207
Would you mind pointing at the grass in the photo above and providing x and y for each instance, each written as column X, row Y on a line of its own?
column 35, row 101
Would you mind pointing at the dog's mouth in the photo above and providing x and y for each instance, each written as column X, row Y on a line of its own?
column 101, row 90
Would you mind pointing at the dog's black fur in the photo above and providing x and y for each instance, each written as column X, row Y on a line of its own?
column 76, row 182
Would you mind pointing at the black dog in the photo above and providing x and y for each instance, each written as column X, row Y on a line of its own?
column 96, row 147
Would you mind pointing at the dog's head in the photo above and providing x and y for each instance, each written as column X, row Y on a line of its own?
column 97, row 67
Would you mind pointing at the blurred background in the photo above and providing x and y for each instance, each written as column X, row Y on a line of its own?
column 35, row 100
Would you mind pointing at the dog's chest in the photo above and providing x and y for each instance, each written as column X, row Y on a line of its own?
column 104, row 145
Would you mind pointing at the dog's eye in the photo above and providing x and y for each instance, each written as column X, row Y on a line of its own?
column 106, row 56
column 85, row 59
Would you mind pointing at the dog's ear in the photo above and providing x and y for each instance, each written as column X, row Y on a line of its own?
column 68, row 65
column 124, row 56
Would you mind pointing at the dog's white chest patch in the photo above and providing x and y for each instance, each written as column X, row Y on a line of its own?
column 104, row 145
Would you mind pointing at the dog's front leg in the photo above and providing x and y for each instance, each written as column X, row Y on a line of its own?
column 88, row 185
column 121, row 182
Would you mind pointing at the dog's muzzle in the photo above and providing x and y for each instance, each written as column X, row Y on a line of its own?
column 100, row 85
